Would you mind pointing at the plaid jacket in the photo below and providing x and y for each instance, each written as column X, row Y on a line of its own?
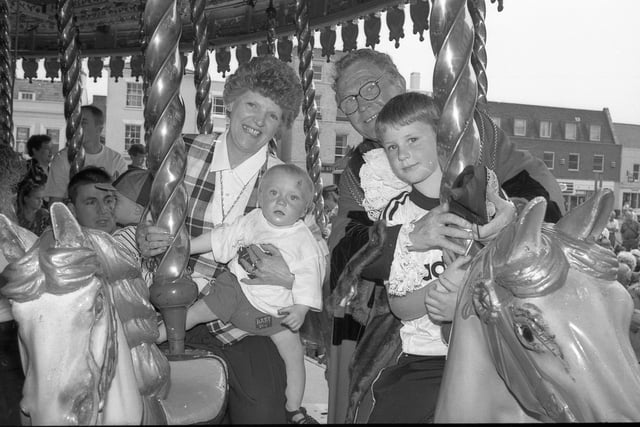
column 200, row 184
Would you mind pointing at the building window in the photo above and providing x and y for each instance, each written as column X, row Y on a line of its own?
column 318, row 107
column 570, row 131
column 636, row 172
column 598, row 163
column 594, row 133
column 132, row 135
column 548, row 158
column 519, row 127
column 22, row 135
column 134, row 94
column 218, row 106
column 341, row 147
column 545, row 129
column 26, row 96
column 54, row 134
column 317, row 72
column 574, row 162
column 497, row 121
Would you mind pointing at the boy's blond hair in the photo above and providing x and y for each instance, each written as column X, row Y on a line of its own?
column 405, row 109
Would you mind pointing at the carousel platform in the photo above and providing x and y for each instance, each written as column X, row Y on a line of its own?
column 316, row 392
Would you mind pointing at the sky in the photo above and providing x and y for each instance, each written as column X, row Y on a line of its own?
column 562, row 53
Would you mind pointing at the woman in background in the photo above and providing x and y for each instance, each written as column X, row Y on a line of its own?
column 31, row 214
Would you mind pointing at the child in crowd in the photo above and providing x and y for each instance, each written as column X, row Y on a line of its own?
column 422, row 291
column 285, row 195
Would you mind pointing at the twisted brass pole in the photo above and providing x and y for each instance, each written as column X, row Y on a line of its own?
column 310, row 124
column 201, row 77
column 6, row 79
column 71, row 65
column 271, row 28
column 172, row 290
column 455, row 89
column 479, row 55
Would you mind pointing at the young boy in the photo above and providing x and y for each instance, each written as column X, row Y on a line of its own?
column 285, row 195
column 422, row 291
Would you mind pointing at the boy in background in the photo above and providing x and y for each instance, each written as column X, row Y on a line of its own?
column 285, row 196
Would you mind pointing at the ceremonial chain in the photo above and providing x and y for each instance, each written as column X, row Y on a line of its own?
column 235, row 202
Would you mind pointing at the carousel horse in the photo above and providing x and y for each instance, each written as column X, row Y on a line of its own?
column 541, row 329
column 87, row 334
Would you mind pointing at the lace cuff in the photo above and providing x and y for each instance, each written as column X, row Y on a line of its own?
column 407, row 268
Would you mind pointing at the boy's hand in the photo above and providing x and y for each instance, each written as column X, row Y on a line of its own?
column 435, row 229
column 152, row 240
column 268, row 266
column 441, row 300
column 294, row 316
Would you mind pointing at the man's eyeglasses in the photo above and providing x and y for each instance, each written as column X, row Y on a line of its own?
column 368, row 91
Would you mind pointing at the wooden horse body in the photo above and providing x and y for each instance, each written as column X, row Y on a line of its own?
column 87, row 334
column 541, row 330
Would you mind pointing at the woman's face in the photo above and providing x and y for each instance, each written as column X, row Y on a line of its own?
column 34, row 199
column 352, row 79
column 254, row 120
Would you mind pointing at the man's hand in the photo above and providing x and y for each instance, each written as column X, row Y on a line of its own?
column 152, row 240
column 268, row 266
column 294, row 316
column 436, row 228
column 505, row 215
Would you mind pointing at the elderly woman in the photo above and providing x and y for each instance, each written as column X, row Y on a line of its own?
column 262, row 97
column 365, row 80
column 12, row 169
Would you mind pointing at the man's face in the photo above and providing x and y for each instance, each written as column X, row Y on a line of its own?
column 354, row 78
column 254, row 120
column 139, row 160
column 95, row 208
column 91, row 130
column 44, row 154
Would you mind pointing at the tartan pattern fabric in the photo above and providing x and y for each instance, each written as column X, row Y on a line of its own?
column 200, row 184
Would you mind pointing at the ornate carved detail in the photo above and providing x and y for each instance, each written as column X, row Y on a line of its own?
column 223, row 58
column 116, row 65
column 395, row 22
column 137, row 64
column 95, row 67
column 372, row 25
column 271, row 28
column 328, row 41
column 30, row 68
column 52, row 66
column 243, row 54
column 419, row 11
column 349, row 35
column 285, row 47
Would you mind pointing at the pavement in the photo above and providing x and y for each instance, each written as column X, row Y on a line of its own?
column 316, row 391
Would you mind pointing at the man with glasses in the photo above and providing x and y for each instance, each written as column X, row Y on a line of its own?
column 364, row 81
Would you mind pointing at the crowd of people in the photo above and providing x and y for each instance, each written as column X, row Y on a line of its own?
column 259, row 260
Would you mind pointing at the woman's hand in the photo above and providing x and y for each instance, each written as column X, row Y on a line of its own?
column 152, row 240
column 268, row 266
column 436, row 228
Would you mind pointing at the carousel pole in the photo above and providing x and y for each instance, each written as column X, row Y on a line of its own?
column 201, row 77
column 455, row 91
column 310, row 124
column 71, row 66
column 6, row 78
column 172, row 290
column 271, row 28
column 478, row 12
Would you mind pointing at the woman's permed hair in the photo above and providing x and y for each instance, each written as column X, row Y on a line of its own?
column 366, row 57
column 405, row 109
column 271, row 78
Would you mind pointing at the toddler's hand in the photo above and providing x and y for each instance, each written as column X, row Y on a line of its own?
column 295, row 315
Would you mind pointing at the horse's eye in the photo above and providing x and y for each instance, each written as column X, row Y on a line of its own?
column 526, row 333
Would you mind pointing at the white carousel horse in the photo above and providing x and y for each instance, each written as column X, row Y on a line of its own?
column 87, row 334
column 541, row 330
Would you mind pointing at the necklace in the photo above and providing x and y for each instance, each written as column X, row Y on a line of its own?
column 235, row 202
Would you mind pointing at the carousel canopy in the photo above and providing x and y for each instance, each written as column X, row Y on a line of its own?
column 109, row 27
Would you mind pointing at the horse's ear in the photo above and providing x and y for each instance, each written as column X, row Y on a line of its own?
column 66, row 229
column 590, row 218
column 528, row 226
column 15, row 241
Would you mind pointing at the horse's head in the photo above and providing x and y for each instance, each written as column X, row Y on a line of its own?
column 554, row 318
column 67, row 322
